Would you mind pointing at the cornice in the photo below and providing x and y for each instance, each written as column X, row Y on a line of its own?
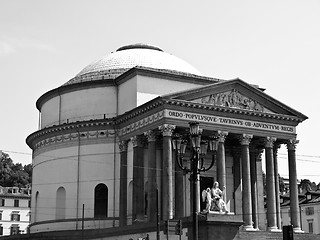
column 77, row 127
column 14, row 196
column 142, row 110
column 139, row 110
column 165, row 74
column 188, row 104
column 182, row 103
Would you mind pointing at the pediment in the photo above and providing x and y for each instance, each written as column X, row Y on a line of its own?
column 236, row 94
column 233, row 99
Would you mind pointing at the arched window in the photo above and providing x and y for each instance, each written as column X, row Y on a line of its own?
column 61, row 203
column 36, row 207
column 101, row 201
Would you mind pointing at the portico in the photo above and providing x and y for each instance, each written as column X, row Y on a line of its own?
column 243, row 119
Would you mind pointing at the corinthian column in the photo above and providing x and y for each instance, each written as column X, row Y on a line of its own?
column 294, row 201
column 277, row 191
column 260, row 188
column 152, row 176
column 138, row 180
column 246, row 182
column 167, row 193
column 123, row 146
column 270, row 181
column 221, row 162
column 254, row 193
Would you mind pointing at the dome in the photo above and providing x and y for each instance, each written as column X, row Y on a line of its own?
column 126, row 57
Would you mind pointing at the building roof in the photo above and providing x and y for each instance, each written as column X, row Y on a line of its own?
column 124, row 58
column 14, row 192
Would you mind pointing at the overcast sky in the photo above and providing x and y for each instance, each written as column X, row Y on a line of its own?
column 274, row 44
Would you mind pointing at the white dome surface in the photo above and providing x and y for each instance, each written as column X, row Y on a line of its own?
column 139, row 55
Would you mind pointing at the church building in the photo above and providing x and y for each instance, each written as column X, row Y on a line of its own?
column 104, row 155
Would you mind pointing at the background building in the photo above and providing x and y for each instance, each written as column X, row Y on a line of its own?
column 309, row 206
column 14, row 210
column 103, row 147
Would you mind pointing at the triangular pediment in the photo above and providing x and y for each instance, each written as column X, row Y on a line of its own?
column 232, row 99
column 236, row 94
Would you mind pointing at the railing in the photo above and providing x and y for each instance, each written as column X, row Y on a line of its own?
column 81, row 118
column 74, row 223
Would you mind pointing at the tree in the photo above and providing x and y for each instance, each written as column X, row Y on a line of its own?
column 14, row 174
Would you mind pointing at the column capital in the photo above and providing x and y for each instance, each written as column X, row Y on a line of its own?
column 258, row 153
column 123, row 145
column 291, row 144
column 269, row 142
column 276, row 147
column 151, row 135
column 167, row 129
column 245, row 139
column 137, row 141
column 221, row 136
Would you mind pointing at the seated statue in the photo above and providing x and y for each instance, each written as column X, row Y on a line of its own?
column 217, row 198
column 213, row 198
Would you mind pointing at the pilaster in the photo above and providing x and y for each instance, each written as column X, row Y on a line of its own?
column 123, row 147
column 152, row 176
column 138, row 180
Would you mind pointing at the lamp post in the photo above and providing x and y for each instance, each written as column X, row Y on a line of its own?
column 199, row 150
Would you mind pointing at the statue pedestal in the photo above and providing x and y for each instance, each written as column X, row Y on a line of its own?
column 215, row 225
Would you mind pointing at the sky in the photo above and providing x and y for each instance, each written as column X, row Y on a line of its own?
column 274, row 44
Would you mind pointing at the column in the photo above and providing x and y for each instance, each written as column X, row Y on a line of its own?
column 246, row 182
column 138, row 180
column 294, row 200
column 237, row 176
column 270, row 182
column 152, row 176
column 167, row 174
column 179, row 199
column 260, row 189
column 277, row 192
column 123, row 146
column 254, row 193
column 221, row 162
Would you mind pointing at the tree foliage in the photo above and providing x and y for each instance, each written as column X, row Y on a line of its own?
column 14, row 174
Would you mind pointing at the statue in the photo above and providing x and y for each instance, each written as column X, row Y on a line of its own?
column 213, row 198
column 206, row 196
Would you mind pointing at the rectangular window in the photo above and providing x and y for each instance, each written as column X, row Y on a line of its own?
column 14, row 229
column 1, row 230
column 0, row 215
column 16, row 202
column 15, row 216
column 309, row 210
column 310, row 226
column 29, row 203
column 3, row 202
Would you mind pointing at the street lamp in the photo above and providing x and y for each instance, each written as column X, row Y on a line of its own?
column 199, row 150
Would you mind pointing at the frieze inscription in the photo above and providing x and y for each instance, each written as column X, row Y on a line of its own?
column 232, row 122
